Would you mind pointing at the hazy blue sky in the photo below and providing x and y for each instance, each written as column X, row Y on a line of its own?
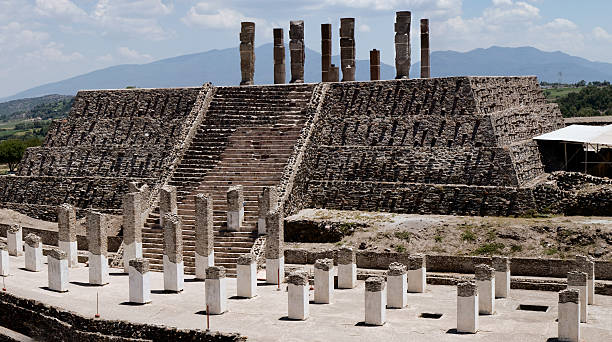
column 48, row 40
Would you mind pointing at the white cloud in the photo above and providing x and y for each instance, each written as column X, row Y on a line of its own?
column 14, row 36
column 60, row 9
column 137, row 8
column 133, row 55
column 453, row 6
column 108, row 58
column 601, row 34
column 135, row 19
column 216, row 17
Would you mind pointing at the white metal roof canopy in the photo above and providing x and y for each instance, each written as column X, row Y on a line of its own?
column 581, row 134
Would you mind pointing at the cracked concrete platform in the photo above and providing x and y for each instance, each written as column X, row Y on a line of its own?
column 264, row 318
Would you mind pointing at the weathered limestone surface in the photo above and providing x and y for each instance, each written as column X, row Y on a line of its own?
column 402, row 44
column 275, row 240
column 425, row 65
column 205, row 240
column 347, row 48
column 132, row 218
column 247, row 52
column 173, row 238
column 279, row 56
column 297, row 50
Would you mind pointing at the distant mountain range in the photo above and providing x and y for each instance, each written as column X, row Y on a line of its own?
column 222, row 67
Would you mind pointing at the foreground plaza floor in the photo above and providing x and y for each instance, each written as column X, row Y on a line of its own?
column 264, row 318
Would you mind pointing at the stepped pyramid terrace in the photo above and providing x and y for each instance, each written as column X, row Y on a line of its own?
column 182, row 207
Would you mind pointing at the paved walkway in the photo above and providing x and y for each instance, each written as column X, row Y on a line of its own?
column 264, row 318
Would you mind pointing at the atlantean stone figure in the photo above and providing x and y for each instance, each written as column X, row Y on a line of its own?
column 326, row 51
column 347, row 48
column 247, row 52
column 425, row 66
column 296, row 47
column 279, row 56
column 402, row 44
column 374, row 65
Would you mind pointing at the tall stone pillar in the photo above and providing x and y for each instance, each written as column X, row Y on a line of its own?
column 374, row 65
column 275, row 258
column 402, row 44
column 247, row 52
column 569, row 315
column 326, row 51
column 279, row 56
column 33, row 253
column 467, row 308
column 66, row 226
column 97, row 229
column 347, row 268
column 204, row 235
column 375, row 301
column 132, row 228
column 167, row 202
column 57, row 270
column 578, row 281
column 324, row 281
column 235, row 208
column 297, row 291
column 296, row 47
column 485, row 281
column 173, row 253
column 425, row 66
column 502, row 276
column 347, row 48
column 268, row 201
column 584, row 264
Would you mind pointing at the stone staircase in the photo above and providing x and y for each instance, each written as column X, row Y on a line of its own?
column 246, row 138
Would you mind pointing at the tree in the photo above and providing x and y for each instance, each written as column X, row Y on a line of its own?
column 11, row 152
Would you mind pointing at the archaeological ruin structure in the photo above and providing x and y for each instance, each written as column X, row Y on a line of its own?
column 197, row 183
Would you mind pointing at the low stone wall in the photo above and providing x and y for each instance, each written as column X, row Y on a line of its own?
column 46, row 323
column 555, row 268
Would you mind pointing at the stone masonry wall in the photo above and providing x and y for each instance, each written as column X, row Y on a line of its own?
column 442, row 146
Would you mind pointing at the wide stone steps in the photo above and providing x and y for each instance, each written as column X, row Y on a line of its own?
column 247, row 137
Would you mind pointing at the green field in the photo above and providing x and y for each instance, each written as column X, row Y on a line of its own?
column 23, row 129
column 555, row 93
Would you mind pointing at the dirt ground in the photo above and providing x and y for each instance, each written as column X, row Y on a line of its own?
column 8, row 216
column 547, row 237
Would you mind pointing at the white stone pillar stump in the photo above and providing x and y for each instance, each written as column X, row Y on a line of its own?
column 14, row 237
column 33, row 253
column 67, row 233
column 347, row 268
column 375, row 301
column 275, row 259
column 584, row 264
column 324, row 281
column 133, row 223
column 485, row 281
column 246, row 278
column 467, row 308
column 204, row 235
column 174, row 270
column 97, row 230
column 569, row 316
column 57, row 270
column 578, row 281
column 502, row 276
column 216, row 290
column 140, row 282
column 298, row 296
column 4, row 260
column 417, row 274
column 267, row 202
column 397, row 296
column 235, row 208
